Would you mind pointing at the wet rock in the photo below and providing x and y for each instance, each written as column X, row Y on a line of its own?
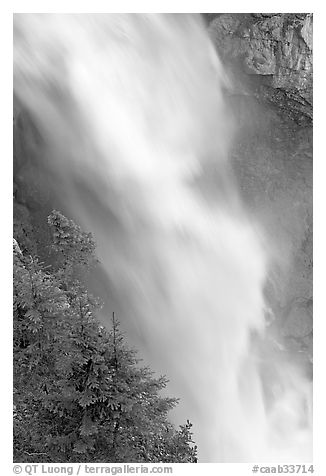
column 23, row 229
column 272, row 159
column 30, row 186
column 272, row 54
column 298, row 323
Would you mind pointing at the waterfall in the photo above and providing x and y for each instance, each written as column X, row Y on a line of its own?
column 132, row 110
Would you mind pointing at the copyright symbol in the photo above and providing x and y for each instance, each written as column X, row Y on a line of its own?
column 17, row 469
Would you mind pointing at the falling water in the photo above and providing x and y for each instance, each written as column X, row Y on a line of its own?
column 132, row 111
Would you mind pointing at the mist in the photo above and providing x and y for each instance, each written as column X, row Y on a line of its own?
column 136, row 131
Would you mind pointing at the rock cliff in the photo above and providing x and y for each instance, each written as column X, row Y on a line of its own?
column 270, row 55
column 269, row 62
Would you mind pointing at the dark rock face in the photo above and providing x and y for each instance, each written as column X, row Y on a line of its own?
column 272, row 160
column 269, row 55
column 272, row 154
column 32, row 200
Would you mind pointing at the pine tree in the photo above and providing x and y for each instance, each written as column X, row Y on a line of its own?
column 80, row 393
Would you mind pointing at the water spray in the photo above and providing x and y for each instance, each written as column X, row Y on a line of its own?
column 131, row 108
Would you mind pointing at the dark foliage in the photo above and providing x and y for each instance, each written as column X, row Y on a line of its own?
column 80, row 394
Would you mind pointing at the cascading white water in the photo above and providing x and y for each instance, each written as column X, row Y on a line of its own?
column 131, row 108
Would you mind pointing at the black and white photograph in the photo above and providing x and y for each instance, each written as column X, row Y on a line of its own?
column 163, row 240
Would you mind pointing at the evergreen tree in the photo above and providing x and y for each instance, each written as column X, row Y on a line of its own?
column 80, row 394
